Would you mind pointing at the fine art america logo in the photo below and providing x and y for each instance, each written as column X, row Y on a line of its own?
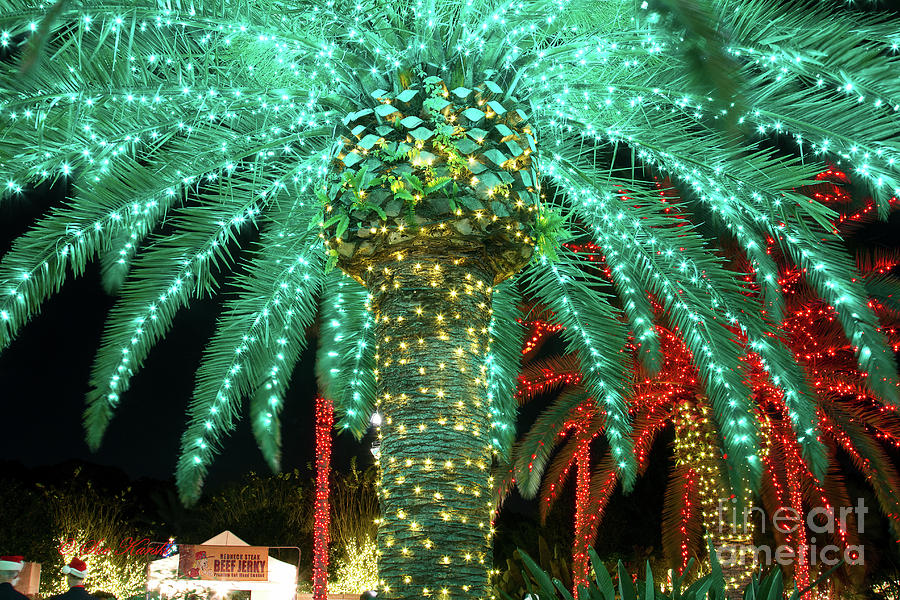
column 129, row 545
column 806, row 535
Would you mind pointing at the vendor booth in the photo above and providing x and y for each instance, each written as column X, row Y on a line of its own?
column 219, row 567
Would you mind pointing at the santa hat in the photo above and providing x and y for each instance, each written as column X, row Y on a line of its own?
column 76, row 568
column 12, row 563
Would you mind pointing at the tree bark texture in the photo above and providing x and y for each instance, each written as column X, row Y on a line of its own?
column 432, row 315
column 736, row 549
column 697, row 446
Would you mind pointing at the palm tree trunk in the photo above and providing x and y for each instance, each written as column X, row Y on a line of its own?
column 793, row 463
column 322, row 516
column 734, row 545
column 432, row 316
column 581, row 563
column 697, row 446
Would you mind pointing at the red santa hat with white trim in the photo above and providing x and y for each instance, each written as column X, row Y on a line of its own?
column 12, row 563
column 76, row 568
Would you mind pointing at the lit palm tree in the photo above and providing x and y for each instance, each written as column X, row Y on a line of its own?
column 851, row 419
column 426, row 148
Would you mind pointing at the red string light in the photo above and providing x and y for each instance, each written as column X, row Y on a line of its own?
column 580, row 556
column 687, row 509
column 538, row 330
column 322, row 515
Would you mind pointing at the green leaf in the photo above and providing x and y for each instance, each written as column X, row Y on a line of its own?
column 413, row 181
column 377, row 209
column 566, row 595
column 716, row 577
column 332, row 260
column 649, row 590
column 626, row 584
column 357, row 180
column 543, row 580
column 601, row 575
column 342, row 226
column 404, row 195
column 331, row 221
column 438, row 183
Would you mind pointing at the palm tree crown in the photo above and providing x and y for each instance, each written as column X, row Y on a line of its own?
column 490, row 127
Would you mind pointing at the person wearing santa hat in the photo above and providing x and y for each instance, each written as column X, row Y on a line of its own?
column 76, row 572
column 10, row 566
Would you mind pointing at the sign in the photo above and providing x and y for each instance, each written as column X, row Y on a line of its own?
column 223, row 563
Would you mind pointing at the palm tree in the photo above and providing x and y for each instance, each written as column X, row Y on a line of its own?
column 851, row 420
column 322, row 511
column 426, row 148
column 695, row 507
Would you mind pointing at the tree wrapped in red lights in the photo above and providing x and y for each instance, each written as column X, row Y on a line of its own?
column 321, row 517
column 851, row 420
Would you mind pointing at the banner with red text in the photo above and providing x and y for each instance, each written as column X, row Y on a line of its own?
column 223, row 563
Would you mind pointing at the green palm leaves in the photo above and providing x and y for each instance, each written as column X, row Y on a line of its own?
column 189, row 131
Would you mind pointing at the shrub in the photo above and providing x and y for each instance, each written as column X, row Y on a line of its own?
column 708, row 587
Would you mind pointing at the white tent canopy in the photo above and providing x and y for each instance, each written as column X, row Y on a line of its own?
column 280, row 585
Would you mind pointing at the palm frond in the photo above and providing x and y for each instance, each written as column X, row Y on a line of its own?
column 830, row 123
column 703, row 47
column 556, row 474
column 885, row 288
column 91, row 108
column 282, row 353
column 637, row 308
column 534, row 449
column 677, row 268
column 682, row 525
column 346, row 351
column 592, row 332
column 257, row 343
column 64, row 242
column 333, row 307
column 852, row 49
column 832, row 273
column 833, row 493
column 869, row 459
column 175, row 270
column 604, row 483
column 547, row 374
column 557, row 471
column 115, row 261
column 504, row 363
column 827, row 268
